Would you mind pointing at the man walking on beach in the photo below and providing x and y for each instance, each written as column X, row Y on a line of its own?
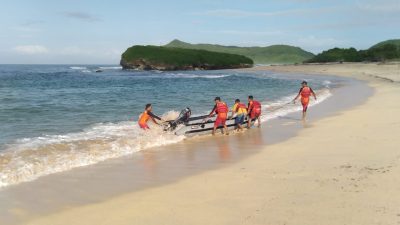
column 254, row 111
column 305, row 93
column 221, row 109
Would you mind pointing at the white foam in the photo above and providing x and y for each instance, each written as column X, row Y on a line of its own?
column 110, row 67
column 31, row 158
column 78, row 67
column 327, row 83
column 185, row 75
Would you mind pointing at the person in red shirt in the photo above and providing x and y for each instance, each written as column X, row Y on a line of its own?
column 254, row 111
column 221, row 109
column 305, row 92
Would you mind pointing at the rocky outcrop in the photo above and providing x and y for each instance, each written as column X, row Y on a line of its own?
column 142, row 64
column 163, row 58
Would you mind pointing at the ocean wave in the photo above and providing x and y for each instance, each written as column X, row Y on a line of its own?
column 30, row 158
column 110, row 67
column 327, row 83
column 78, row 67
column 188, row 75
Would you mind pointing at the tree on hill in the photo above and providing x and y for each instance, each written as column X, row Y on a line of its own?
column 380, row 52
column 337, row 55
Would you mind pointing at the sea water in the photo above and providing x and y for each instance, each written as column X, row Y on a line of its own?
column 54, row 118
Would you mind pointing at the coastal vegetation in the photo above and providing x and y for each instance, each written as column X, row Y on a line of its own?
column 166, row 58
column 274, row 54
column 178, row 55
column 383, row 51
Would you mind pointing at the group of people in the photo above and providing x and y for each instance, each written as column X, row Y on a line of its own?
column 252, row 111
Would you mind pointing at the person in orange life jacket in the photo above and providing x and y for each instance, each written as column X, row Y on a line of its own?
column 305, row 92
column 254, row 111
column 221, row 109
column 240, row 110
column 146, row 116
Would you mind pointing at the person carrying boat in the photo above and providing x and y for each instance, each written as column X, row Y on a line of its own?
column 146, row 116
column 305, row 92
column 240, row 110
column 221, row 109
column 254, row 111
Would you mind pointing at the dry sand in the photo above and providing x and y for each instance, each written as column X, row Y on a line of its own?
column 342, row 170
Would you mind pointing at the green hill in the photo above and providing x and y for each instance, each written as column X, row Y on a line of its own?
column 337, row 55
column 395, row 42
column 383, row 51
column 163, row 58
column 260, row 55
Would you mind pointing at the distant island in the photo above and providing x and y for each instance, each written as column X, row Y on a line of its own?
column 383, row 51
column 170, row 58
column 274, row 54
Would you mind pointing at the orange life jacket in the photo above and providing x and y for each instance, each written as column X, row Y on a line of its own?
column 144, row 117
column 222, row 107
column 305, row 92
column 256, row 107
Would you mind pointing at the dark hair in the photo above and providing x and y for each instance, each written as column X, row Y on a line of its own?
column 147, row 106
column 217, row 98
column 251, row 97
column 237, row 100
column 304, row 82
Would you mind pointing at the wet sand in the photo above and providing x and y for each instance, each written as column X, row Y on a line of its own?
column 258, row 177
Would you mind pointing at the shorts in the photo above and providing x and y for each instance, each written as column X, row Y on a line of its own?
column 304, row 102
column 220, row 121
column 144, row 126
column 254, row 115
column 239, row 119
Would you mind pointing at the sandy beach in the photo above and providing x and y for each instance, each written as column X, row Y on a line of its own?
column 342, row 169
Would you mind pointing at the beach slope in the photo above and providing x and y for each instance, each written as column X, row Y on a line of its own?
column 343, row 169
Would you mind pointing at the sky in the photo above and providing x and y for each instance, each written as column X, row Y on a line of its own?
column 97, row 32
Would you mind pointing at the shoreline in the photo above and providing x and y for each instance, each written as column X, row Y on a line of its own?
column 230, row 171
column 216, row 154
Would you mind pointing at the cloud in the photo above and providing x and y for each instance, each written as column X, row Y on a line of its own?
column 78, row 51
column 26, row 29
column 32, row 23
column 243, row 13
column 388, row 6
column 31, row 49
column 73, row 50
column 301, row 1
column 355, row 24
column 28, row 26
column 82, row 16
column 247, row 33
